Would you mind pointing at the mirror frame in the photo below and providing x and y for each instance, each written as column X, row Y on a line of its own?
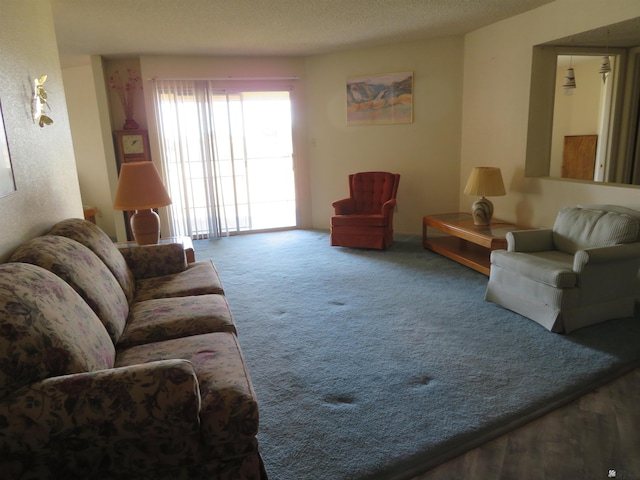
column 624, row 126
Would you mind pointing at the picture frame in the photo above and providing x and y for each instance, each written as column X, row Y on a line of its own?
column 7, row 180
column 385, row 98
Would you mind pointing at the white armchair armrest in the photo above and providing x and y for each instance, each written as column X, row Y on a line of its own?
column 528, row 241
column 628, row 252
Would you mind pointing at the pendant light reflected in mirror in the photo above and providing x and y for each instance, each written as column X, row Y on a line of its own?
column 569, row 83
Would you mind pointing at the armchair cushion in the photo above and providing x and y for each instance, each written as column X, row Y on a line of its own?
column 85, row 272
column 551, row 268
column 39, row 334
column 579, row 228
column 360, row 220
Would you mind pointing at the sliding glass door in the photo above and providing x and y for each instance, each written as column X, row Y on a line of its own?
column 227, row 157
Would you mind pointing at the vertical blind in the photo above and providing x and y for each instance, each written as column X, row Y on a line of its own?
column 227, row 158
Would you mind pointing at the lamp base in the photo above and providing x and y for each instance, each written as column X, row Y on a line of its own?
column 145, row 226
column 482, row 211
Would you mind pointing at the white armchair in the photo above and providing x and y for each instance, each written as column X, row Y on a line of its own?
column 582, row 271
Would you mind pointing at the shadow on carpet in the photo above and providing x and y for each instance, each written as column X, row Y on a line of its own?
column 383, row 364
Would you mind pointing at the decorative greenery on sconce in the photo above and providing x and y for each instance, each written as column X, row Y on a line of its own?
column 40, row 102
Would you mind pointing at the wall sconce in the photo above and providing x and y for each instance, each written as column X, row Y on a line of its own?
column 40, row 101
column 140, row 188
column 484, row 181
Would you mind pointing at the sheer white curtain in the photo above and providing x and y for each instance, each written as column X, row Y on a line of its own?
column 187, row 152
column 227, row 157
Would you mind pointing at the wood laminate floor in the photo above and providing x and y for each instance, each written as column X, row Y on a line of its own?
column 595, row 437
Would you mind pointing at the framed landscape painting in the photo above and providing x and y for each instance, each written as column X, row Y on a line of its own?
column 7, row 183
column 380, row 99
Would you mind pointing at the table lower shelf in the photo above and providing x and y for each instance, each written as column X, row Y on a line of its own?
column 464, row 252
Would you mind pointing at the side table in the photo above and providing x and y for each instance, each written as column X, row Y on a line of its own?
column 186, row 243
column 459, row 239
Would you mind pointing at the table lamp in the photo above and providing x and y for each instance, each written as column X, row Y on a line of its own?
column 484, row 182
column 140, row 188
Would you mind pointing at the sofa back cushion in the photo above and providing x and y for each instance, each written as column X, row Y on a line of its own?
column 84, row 271
column 46, row 329
column 579, row 228
column 92, row 237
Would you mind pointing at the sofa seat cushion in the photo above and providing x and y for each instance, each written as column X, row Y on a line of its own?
column 359, row 220
column 92, row 237
column 166, row 318
column 552, row 267
column 579, row 228
column 229, row 408
column 46, row 329
column 85, row 272
column 200, row 278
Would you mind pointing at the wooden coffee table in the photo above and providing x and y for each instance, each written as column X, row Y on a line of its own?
column 457, row 238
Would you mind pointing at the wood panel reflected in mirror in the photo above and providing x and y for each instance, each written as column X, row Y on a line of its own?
column 603, row 106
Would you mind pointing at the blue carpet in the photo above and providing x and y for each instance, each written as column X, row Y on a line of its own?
column 382, row 365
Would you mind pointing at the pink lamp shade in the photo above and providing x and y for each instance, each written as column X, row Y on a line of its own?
column 140, row 188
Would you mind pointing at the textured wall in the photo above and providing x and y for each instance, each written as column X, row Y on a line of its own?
column 43, row 159
column 426, row 153
column 497, row 79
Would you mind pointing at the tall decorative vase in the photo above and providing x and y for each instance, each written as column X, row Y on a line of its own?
column 130, row 124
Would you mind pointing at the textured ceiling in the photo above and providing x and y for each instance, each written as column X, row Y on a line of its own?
column 262, row 27
column 624, row 34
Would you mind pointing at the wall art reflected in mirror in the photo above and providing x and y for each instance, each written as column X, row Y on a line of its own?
column 589, row 132
column 7, row 181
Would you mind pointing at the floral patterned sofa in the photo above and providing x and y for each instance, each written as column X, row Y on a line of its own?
column 120, row 364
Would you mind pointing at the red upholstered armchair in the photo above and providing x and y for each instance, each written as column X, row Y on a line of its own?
column 365, row 219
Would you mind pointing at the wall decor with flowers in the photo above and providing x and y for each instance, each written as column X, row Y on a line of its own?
column 125, row 90
column 40, row 102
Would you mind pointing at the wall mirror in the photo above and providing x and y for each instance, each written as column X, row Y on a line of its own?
column 592, row 134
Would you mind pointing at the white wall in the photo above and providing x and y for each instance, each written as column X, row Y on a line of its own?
column 497, row 72
column 425, row 153
column 471, row 100
column 88, row 144
column 43, row 158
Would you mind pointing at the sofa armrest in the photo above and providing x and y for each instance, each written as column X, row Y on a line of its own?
column 344, row 206
column 154, row 404
column 528, row 241
column 626, row 253
column 148, row 261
